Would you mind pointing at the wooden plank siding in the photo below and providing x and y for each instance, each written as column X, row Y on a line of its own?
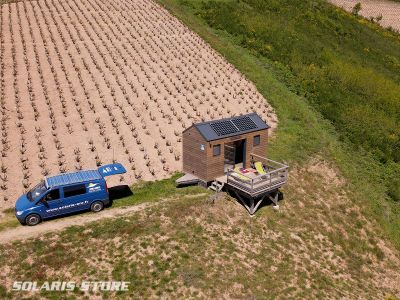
column 208, row 167
column 193, row 158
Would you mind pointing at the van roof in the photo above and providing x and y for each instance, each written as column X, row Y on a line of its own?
column 71, row 178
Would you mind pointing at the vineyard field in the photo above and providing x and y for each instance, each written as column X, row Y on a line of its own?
column 86, row 83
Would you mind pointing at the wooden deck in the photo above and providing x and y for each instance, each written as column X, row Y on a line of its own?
column 255, row 184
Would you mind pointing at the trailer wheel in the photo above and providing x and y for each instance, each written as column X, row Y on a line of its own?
column 97, row 206
column 32, row 220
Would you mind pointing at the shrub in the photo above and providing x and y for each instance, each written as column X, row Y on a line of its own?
column 356, row 9
column 394, row 189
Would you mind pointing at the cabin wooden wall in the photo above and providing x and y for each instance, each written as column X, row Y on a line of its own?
column 260, row 149
column 193, row 158
column 208, row 167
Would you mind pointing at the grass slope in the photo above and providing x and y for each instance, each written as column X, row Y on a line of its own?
column 346, row 67
column 324, row 242
column 144, row 191
column 188, row 247
column 303, row 129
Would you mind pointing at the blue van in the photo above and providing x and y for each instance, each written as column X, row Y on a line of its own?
column 66, row 193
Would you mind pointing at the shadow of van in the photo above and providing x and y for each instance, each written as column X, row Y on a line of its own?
column 119, row 191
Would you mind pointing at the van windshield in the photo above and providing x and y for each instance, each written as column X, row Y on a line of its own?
column 37, row 191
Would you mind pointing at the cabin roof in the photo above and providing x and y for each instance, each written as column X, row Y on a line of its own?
column 222, row 128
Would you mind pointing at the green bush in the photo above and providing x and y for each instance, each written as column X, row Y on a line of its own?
column 394, row 189
column 356, row 9
column 346, row 67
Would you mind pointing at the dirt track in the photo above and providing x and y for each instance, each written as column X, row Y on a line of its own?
column 389, row 10
column 25, row 232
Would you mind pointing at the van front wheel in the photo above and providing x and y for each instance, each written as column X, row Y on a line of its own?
column 96, row 206
column 32, row 220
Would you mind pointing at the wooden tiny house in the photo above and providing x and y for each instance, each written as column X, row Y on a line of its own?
column 231, row 153
column 211, row 148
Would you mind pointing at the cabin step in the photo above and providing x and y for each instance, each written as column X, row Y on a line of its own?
column 216, row 186
column 187, row 179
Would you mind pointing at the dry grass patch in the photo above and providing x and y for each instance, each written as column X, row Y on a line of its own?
column 318, row 245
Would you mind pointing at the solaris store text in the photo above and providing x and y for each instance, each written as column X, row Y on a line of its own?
column 34, row 286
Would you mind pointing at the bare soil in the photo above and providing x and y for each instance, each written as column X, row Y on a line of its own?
column 84, row 83
column 389, row 10
column 24, row 232
column 319, row 245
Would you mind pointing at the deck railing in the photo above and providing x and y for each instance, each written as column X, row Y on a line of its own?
column 276, row 175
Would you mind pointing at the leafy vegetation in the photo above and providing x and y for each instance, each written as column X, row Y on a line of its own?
column 347, row 68
column 320, row 245
column 303, row 129
column 350, row 72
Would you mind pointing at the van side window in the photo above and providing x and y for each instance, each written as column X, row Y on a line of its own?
column 53, row 195
column 74, row 190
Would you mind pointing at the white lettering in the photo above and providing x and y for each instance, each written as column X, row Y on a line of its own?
column 33, row 286
column 85, row 286
column 125, row 286
column 26, row 286
column 17, row 285
column 45, row 286
column 70, row 286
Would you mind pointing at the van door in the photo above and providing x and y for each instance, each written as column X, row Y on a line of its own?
column 75, row 198
column 50, row 203
column 111, row 169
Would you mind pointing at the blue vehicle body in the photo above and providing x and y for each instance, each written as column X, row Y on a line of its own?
column 66, row 193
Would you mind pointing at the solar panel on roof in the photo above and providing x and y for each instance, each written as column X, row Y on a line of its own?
column 223, row 128
column 244, row 123
column 70, row 178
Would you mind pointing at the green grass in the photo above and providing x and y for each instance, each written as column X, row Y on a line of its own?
column 146, row 191
column 304, row 128
column 187, row 246
column 8, row 220
column 346, row 67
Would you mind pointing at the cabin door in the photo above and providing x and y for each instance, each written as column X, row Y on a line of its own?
column 234, row 155
column 240, row 153
column 229, row 156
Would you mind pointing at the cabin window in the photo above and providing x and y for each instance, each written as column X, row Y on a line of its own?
column 217, row 150
column 74, row 190
column 256, row 140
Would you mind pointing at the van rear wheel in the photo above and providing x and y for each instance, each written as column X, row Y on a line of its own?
column 96, row 206
column 32, row 220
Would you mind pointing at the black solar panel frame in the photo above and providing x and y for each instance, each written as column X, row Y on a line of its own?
column 221, row 128
column 244, row 123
